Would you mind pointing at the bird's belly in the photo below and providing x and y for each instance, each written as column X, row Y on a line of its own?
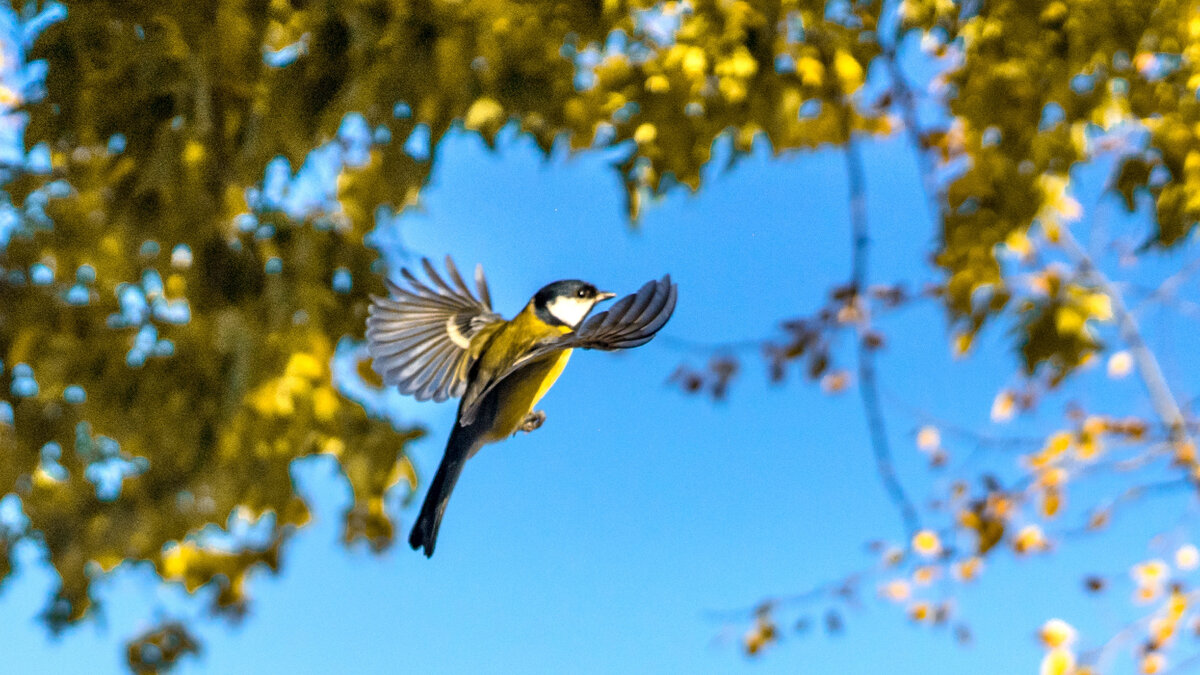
column 520, row 391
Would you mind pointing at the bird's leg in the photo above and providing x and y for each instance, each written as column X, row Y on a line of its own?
column 532, row 421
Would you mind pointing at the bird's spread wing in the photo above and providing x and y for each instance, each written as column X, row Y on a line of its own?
column 419, row 339
column 631, row 322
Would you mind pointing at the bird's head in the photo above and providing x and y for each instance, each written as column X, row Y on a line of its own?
column 567, row 302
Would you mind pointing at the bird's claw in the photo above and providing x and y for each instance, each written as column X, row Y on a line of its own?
column 532, row 421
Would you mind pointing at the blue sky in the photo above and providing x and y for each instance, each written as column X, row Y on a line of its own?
column 605, row 541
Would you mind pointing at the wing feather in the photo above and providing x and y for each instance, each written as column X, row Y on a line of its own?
column 404, row 348
column 419, row 336
column 630, row 325
column 481, row 285
column 413, row 364
column 631, row 322
column 431, row 373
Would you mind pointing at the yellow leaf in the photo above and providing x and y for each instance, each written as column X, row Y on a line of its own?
column 1152, row 663
column 175, row 560
column 897, row 590
column 835, row 382
column 962, row 343
column 740, row 65
column 811, row 71
column 1069, row 321
column 657, row 84
column 1018, row 242
column 193, row 153
column 1098, row 306
column 1145, row 594
column 1030, row 539
column 1051, row 228
column 407, row 473
column 1003, row 406
column 733, row 89
column 967, row 570
column 1058, row 661
column 1051, row 502
column 1120, row 364
column 929, row 439
column 176, row 285
column 9, row 98
column 43, row 479
column 1057, row 633
column 334, row 446
column 1052, row 477
column 1058, row 443
column 302, row 364
column 1187, row 558
column 926, row 543
column 325, row 403
column 1177, row 605
column 1150, row 574
column 925, row 575
column 485, row 114
column 695, row 63
column 919, row 611
column 645, row 133
column 849, row 71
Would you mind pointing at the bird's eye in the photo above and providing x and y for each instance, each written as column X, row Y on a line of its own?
column 581, row 293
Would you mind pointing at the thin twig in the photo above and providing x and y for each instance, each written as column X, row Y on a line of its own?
column 868, row 386
column 1100, row 656
column 1161, row 399
column 706, row 347
column 896, row 402
column 1171, row 284
column 822, row 591
column 1186, row 665
column 1135, row 494
column 903, row 93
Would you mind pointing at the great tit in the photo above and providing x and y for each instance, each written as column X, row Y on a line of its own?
column 438, row 340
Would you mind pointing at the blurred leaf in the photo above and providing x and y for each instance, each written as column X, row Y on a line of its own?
column 160, row 648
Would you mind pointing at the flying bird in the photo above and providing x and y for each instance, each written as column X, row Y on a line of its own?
column 438, row 340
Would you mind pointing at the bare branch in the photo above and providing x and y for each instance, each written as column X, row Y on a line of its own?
column 906, row 99
column 1186, row 665
column 681, row 344
column 1171, row 284
column 868, row 386
column 826, row 590
column 1163, row 401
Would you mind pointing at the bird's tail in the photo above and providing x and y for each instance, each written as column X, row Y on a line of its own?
column 425, row 531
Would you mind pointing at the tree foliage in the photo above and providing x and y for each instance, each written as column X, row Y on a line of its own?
column 169, row 320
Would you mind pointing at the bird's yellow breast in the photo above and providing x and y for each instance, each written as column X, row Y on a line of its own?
column 556, row 368
column 519, row 393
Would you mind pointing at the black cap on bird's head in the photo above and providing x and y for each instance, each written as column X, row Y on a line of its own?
column 567, row 302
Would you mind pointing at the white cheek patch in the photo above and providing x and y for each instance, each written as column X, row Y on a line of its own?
column 569, row 310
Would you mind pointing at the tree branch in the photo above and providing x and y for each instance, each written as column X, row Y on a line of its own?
column 903, row 94
column 868, row 386
column 1165, row 405
column 1161, row 399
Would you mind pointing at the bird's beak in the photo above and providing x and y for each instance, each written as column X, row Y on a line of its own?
column 605, row 295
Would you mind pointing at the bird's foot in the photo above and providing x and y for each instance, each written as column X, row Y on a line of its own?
column 532, row 421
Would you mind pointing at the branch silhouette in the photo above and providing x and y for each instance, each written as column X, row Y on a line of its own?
column 868, row 385
column 1166, row 407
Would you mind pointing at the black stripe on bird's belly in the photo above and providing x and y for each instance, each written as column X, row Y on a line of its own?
column 505, row 406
